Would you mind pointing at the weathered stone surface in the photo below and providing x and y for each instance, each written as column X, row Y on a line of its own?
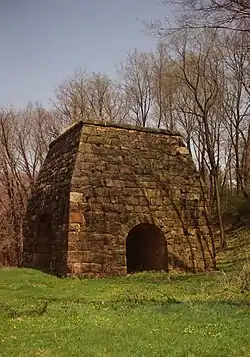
column 182, row 150
column 100, row 182
column 76, row 197
column 76, row 217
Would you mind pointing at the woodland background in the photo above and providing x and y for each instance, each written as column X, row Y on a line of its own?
column 196, row 82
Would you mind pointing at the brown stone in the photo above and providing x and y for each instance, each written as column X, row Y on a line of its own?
column 76, row 197
column 182, row 150
column 76, row 217
column 110, row 200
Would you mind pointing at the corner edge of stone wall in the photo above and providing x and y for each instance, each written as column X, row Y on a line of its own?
column 68, row 130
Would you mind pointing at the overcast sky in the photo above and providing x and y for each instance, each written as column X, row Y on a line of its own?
column 43, row 41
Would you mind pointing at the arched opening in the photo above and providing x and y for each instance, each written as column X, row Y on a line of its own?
column 146, row 249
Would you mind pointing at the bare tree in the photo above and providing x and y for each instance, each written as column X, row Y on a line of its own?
column 137, row 83
column 246, row 160
column 24, row 139
column 165, row 85
column 92, row 97
column 12, row 185
column 236, row 57
column 224, row 14
column 199, row 68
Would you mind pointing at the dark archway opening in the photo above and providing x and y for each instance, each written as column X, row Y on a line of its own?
column 146, row 249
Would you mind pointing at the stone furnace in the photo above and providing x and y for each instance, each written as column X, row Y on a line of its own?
column 111, row 200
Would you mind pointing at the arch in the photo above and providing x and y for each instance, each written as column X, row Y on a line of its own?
column 146, row 249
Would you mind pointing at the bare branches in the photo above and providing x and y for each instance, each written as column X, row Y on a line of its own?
column 92, row 97
column 220, row 14
column 136, row 75
column 24, row 139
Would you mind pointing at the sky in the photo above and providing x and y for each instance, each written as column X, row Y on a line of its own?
column 42, row 42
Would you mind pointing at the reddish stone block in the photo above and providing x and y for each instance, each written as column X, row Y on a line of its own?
column 76, row 217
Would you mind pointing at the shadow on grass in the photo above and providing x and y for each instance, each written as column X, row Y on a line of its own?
column 118, row 304
column 141, row 277
column 24, row 310
column 231, row 265
column 153, row 277
column 236, row 247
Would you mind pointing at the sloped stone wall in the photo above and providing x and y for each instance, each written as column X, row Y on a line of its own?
column 100, row 181
column 46, row 223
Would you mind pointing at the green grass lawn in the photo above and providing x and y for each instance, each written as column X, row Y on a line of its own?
column 146, row 314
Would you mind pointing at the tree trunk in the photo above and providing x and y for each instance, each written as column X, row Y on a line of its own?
column 218, row 206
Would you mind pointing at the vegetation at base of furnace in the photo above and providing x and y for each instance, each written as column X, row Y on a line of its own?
column 238, row 211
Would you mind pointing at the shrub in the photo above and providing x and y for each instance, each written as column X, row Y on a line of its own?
column 238, row 211
column 244, row 278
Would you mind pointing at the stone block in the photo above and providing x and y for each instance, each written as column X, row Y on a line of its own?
column 76, row 217
column 95, row 268
column 74, row 227
column 114, row 183
column 76, row 197
column 85, row 148
column 144, row 201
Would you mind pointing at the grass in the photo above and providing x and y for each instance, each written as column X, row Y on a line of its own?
column 147, row 314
